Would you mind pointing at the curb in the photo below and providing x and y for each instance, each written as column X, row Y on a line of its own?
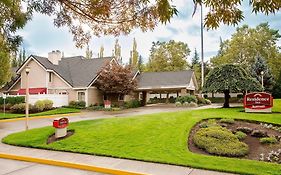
column 37, row 117
column 68, row 165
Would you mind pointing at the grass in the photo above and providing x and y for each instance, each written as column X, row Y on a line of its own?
column 156, row 137
column 50, row 112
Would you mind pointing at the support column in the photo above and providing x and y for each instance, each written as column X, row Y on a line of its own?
column 183, row 92
column 167, row 98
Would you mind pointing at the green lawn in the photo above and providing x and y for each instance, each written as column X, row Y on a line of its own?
column 157, row 138
column 51, row 112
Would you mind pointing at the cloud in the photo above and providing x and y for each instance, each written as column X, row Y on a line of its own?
column 40, row 35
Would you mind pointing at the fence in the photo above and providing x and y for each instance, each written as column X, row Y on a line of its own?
column 58, row 99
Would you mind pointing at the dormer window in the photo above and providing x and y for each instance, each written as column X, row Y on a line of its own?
column 50, row 77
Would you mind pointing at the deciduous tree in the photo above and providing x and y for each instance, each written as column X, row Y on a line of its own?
column 134, row 55
column 89, row 53
column 230, row 78
column 116, row 79
column 246, row 44
column 168, row 56
column 277, row 87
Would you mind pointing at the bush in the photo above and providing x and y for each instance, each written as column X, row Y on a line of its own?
column 132, row 104
column 268, row 140
column 172, row 100
column 178, row 104
column 200, row 100
column 208, row 123
column 227, row 120
column 48, row 104
column 39, row 106
column 220, row 141
column 19, row 108
column 12, row 100
column 240, row 96
column 240, row 135
column 77, row 104
column 188, row 98
column 193, row 104
column 208, row 102
column 205, row 96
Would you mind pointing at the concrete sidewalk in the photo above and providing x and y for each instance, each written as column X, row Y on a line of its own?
column 99, row 161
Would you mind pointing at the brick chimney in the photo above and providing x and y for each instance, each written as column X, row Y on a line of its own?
column 54, row 57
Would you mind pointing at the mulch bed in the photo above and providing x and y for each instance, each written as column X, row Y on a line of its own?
column 52, row 137
column 255, row 147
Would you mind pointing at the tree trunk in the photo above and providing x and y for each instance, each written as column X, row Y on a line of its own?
column 226, row 99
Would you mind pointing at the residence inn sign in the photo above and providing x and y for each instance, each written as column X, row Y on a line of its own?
column 258, row 102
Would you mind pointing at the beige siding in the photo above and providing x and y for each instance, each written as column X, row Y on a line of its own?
column 37, row 76
column 72, row 95
column 57, row 82
column 95, row 96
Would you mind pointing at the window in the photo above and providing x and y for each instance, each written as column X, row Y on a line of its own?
column 81, row 96
column 121, row 97
column 105, row 97
column 50, row 76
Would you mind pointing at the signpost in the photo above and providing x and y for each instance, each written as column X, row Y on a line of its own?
column 61, row 127
column 107, row 104
column 258, row 102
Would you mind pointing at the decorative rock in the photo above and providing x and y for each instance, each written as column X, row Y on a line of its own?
column 259, row 133
column 244, row 129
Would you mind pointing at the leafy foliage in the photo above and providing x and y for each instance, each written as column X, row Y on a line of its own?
column 12, row 100
column 268, row 140
column 188, row 99
column 277, row 87
column 248, row 43
column 168, row 56
column 132, row 104
column 77, row 104
column 240, row 135
column 134, row 55
column 220, row 141
column 259, row 66
column 230, row 78
column 227, row 120
column 116, row 79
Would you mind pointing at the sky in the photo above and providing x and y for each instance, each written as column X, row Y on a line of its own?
column 40, row 36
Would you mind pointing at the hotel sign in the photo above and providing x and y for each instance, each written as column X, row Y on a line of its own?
column 258, row 102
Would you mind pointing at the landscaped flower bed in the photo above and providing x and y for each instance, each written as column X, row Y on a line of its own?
column 237, row 138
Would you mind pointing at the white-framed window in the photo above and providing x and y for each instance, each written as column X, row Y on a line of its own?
column 121, row 97
column 81, row 96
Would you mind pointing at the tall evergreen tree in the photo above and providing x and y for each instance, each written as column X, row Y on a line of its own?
column 140, row 64
column 257, row 68
column 89, row 53
column 101, row 55
column 195, row 59
column 134, row 55
column 117, row 51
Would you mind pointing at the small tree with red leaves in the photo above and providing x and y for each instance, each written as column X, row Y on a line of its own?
column 116, row 79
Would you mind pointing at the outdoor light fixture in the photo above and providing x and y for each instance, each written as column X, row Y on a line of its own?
column 27, row 70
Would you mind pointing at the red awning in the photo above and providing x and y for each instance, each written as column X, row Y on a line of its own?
column 33, row 91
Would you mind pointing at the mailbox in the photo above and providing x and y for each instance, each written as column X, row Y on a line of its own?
column 61, row 127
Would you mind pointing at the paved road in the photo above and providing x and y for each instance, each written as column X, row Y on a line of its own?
column 122, row 164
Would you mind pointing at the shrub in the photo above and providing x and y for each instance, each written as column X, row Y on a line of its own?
column 188, row 98
column 178, row 103
column 200, row 100
column 193, row 104
column 48, row 104
column 39, row 106
column 172, row 100
column 208, row 123
column 205, row 96
column 19, row 108
column 186, row 104
column 132, row 104
column 208, row 102
column 12, row 100
column 240, row 135
column 96, row 108
column 268, row 140
column 227, row 120
column 77, row 104
column 240, row 96
column 220, row 141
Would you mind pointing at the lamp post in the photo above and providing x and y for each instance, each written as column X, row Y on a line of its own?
column 4, row 98
column 262, row 80
column 27, row 70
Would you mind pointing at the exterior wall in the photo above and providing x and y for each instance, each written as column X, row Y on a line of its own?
column 37, row 76
column 57, row 83
column 72, row 95
column 95, row 96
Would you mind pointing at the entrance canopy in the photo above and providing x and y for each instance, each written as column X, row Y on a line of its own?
column 33, row 91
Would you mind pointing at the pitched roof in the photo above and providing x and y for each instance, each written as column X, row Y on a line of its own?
column 155, row 80
column 77, row 71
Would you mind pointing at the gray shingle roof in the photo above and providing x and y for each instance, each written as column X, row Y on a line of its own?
column 77, row 71
column 155, row 80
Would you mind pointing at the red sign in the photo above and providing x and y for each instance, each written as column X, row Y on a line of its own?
column 61, row 123
column 258, row 101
